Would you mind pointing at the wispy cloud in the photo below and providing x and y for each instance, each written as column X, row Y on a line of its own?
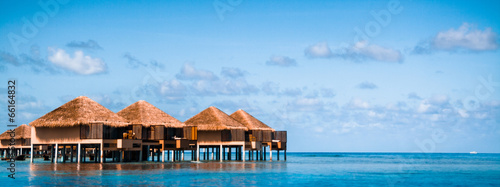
column 358, row 103
column 318, row 50
column 367, row 85
column 32, row 60
column 79, row 63
column 466, row 38
column 90, row 44
column 232, row 72
column 173, row 90
column 189, row 72
column 282, row 61
column 360, row 51
column 133, row 62
column 365, row 51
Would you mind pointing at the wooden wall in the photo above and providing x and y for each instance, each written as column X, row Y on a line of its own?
column 170, row 133
column 259, row 135
column 191, row 133
column 267, row 136
column 233, row 135
column 91, row 131
column 137, row 129
column 279, row 135
column 59, row 134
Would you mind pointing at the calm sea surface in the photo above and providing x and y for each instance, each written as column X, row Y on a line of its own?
column 301, row 169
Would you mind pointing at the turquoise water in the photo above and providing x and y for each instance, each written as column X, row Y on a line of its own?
column 301, row 169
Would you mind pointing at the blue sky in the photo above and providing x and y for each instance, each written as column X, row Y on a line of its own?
column 382, row 76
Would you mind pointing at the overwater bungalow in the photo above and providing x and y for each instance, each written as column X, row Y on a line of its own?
column 20, row 139
column 259, row 136
column 218, row 135
column 83, row 128
column 158, row 131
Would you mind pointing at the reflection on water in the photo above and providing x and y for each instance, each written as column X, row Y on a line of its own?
column 209, row 166
column 68, row 169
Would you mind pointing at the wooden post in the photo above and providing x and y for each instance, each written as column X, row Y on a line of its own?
column 261, row 155
column 84, row 153
column 122, row 155
column 63, row 154
column 72, row 150
column 101, row 152
column 158, row 154
column 220, row 153
column 285, row 154
column 31, row 158
column 197, row 152
column 57, row 147
column 212, row 154
column 264, row 152
column 162, row 155
column 224, row 153
column 147, row 151
column 271, row 152
column 278, row 154
column 140, row 153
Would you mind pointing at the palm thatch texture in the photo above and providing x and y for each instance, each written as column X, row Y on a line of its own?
column 145, row 114
column 213, row 119
column 22, row 132
column 81, row 110
column 249, row 121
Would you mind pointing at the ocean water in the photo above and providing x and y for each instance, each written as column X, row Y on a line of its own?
column 300, row 169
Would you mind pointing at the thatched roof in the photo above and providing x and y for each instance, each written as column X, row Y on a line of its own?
column 249, row 121
column 22, row 132
column 213, row 119
column 144, row 113
column 81, row 110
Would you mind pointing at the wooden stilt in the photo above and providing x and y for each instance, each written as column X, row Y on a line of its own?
column 223, row 153
column 197, row 152
column 243, row 152
column 264, row 152
column 271, row 152
column 63, row 154
column 56, row 150
column 72, row 150
column 278, row 154
column 31, row 154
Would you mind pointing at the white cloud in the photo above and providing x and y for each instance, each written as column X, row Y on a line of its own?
column 463, row 113
column 188, row 72
column 80, row 63
column 434, row 104
column 307, row 104
column 173, row 90
column 319, row 50
column 359, row 51
column 357, row 103
column 466, row 37
column 373, row 52
column 232, row 72
column 282, row 61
